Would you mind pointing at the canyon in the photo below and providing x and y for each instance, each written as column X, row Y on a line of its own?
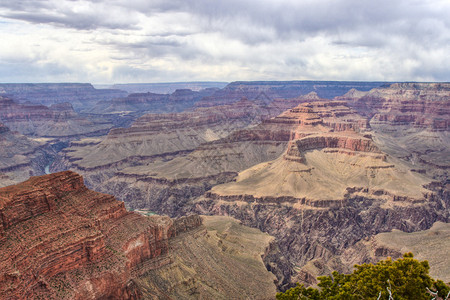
column 60, row 240
column 57, row 121
column 21, row 156
column 334, row 172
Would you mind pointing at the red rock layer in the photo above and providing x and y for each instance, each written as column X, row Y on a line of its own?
column 423, row 105
column 61, row 240
column 357, row 143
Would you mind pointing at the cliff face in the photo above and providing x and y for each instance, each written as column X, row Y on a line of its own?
column 410, row 121
column 159, row 138
column 20, row 156
column 59, row 120
column 61, row 240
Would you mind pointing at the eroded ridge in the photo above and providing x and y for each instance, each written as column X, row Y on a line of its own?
column 61, row 240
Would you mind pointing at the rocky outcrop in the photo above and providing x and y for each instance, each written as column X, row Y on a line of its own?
column 308, row 234
column 58, row 121
column 333, row 141
column 61, row 240
column 423, row 105
column 431, row 245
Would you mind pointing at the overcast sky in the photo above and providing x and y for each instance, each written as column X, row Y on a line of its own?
column 121, row 41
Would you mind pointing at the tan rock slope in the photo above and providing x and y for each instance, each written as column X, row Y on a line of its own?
column 328, row 159
column 221, row 262
column 431, row 245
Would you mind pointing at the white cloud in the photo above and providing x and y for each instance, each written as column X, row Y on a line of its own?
column 146, row 41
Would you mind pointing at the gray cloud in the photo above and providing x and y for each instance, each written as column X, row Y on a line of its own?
column 235, row 39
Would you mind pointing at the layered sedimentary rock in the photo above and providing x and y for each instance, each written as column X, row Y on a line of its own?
column 410, row 121
column 83, row 96
column 20, row 156
column 220, row 260
column 332, row 187
column 168, row 183
column 160, row 137
column 60, row 240
column 59, row 120
column 270, row 90
column 328, row 158
column 141, row 103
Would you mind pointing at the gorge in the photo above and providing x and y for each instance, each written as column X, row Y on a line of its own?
column 329, row 171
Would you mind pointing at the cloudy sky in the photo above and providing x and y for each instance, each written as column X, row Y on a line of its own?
column 113, row 41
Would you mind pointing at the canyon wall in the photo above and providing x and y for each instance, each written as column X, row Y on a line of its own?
column 57, row 121
column 60, row 240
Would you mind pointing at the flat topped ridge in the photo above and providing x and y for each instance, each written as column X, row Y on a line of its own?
column 60, row 182
column 421, row 85
column 352, row 142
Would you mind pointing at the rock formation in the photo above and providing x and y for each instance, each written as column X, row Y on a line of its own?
column 431, row 245
column 21, row 157
column 321, row 177
column 160, row 137
column 410, row 121
column 58, row 121
column 331, row 188
column 168, row 87
column 60, row 240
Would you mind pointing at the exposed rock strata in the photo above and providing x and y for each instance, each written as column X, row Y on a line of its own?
column 431, row 245
column 21, row 157
column 59, row 240
column 313, row 234
column 58, row 120
column 220, row 260
column 410, row 121
column 329, row 190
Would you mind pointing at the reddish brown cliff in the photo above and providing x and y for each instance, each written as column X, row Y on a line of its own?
column 423, row 105
column 61, row 240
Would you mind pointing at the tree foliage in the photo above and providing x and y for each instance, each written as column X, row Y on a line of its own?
column 403, row 279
